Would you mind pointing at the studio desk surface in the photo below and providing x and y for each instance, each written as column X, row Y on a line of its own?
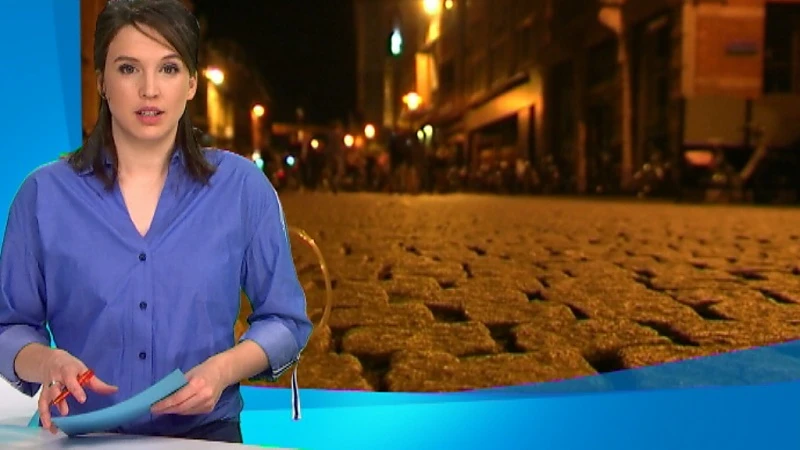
column 16, row 410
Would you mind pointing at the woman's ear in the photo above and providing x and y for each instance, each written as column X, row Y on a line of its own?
column 192, row 87
column 100, row 88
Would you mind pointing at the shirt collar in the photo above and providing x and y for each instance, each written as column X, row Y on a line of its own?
column 178, row 157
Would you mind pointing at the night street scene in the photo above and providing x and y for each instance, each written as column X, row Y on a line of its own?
column 500, row 192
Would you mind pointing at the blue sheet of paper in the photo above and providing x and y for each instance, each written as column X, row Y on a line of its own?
column 109, row 418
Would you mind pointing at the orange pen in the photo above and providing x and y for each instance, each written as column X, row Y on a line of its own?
column 82, row 380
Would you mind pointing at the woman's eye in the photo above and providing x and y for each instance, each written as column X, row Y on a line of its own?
column 126, row 69
column 171, row 69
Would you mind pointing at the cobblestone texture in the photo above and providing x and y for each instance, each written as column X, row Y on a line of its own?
column 444, row 293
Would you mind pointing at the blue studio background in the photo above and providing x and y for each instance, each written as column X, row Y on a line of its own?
column 740, row 400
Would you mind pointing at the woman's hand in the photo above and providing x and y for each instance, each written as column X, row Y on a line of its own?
column 62, row 369
column 205, row 385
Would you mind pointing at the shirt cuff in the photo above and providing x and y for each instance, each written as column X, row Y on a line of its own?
column 278, row 343
column 13, row 339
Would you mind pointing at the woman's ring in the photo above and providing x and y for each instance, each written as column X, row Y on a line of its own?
column 53, row 383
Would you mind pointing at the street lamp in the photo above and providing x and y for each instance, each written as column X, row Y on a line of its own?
column 215, row 104
column 349, row 140
column 412, row 100
column 369, row 131
column 432, row 7
column 214, row 75
column 258, row 111
column 448, row 4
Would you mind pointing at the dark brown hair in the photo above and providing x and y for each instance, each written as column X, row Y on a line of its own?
column 179, row 27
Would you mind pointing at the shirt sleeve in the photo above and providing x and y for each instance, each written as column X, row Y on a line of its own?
column 22, row 296
column 279, row 323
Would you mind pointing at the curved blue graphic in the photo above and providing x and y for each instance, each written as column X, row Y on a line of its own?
column 723, row 401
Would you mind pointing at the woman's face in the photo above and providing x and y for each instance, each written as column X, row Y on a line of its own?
column 146, row 85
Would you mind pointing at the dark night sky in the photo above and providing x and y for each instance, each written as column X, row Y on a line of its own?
column 304, row 48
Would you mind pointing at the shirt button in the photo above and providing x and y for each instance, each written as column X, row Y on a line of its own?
column 142, row 355
column 142, row 257
column 143, row 306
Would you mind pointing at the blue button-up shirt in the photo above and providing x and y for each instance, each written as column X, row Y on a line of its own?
column 134, row 308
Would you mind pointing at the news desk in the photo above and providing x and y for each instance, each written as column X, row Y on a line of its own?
column 16, row 410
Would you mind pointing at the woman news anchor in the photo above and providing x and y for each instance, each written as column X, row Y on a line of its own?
column 134, row 250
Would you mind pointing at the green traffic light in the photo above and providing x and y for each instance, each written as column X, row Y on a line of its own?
column 396, row 43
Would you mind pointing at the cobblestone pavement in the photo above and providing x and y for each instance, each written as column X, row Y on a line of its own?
column 444, row 293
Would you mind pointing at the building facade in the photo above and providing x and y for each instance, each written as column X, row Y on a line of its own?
column 372, row 27
column 383, row 79
column 547, row 81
